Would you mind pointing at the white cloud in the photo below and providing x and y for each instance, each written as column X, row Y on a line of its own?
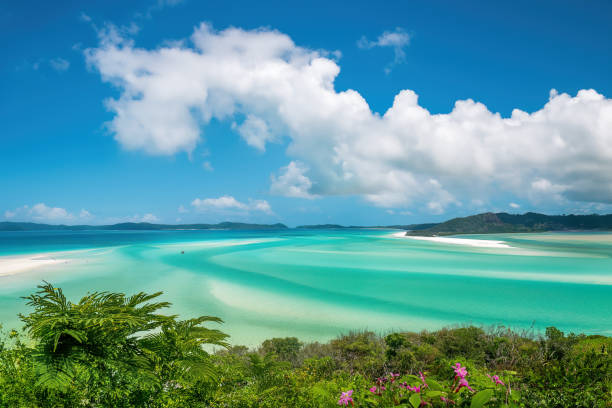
column 59, row 64
column 338, row 146
column 182, row 210
column 149, row 218
column 255, row 132
column 229, row 204
column 397, row 39
column 84, row 17
column 224, row 202
column 292, row 182
column 207, row 166
column 261, row 205
column 515, row 205
column 43, row 213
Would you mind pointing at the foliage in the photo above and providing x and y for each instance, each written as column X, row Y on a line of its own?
column 112, row 350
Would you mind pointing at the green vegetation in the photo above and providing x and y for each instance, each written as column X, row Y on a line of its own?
column 113, row 350
column 489, row 223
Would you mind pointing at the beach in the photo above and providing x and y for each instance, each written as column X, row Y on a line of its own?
column 480, row 243
column 11, row 265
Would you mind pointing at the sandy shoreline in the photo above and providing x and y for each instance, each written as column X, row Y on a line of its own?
column 12, row 265
column 481, row 243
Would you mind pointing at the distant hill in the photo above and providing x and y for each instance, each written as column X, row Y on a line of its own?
column 30, row 226
column 490, row 223
column 411, row 227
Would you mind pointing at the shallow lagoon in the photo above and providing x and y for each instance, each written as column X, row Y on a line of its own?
column 317, row 284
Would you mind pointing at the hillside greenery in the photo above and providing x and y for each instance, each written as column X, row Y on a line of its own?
column 489, row 223
column 113, row 350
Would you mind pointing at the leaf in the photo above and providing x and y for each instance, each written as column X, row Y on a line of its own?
column 415, row 400
column 434, row 385
column 481, row 398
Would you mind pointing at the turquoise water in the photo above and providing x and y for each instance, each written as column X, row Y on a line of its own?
column 318, row 284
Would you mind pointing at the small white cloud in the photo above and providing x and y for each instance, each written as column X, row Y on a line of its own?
column 515, row 205
column 228, row 203
column 261, row 205
column 390, row 212
column 292, row 182
column 207, row 166
column 182, row 210
column 221, row 203
column 397, row 39
column 149, row 218
column 255, row 132
column 59, row 64
column 46, row 214
column 84, row 17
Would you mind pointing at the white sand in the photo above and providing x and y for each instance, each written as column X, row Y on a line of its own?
column 481, row 243
column 11, row 265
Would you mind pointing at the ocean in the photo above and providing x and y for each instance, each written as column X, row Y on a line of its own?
column 317, row 284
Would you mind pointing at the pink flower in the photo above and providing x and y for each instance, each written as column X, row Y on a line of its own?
column 423, row 379
column 392, row 376
column 463, row 383
column 414, row 389
column 496, row 380
column 345, row 398
column 460, row 372
column 373, row 390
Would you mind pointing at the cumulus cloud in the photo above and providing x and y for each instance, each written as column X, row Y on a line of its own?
column 43, row 213
column 514, row 205
column 228, row 204
column 405, row 157
column 255, row 132
column 292, row 182
column 397, row 39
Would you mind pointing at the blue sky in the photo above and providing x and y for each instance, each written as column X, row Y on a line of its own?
column 272, row 112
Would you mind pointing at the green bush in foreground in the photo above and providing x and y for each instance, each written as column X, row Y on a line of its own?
column 111, row 350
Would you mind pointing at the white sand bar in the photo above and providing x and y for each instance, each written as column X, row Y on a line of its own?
column 482, row 243
column 11, row 265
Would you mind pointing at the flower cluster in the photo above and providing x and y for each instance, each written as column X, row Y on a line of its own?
column 460, row 381
column 496, row 380
column 345, row 398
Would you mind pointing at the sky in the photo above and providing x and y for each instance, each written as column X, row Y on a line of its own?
column 356, row 113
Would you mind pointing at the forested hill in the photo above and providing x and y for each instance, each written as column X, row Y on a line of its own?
column 412, row 227
column 489, row 223
column 30, row 226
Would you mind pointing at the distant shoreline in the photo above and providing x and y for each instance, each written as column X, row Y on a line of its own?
column 480, row 243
